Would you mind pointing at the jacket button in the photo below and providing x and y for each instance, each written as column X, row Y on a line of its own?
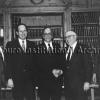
column 24, row 70
column 67, row 67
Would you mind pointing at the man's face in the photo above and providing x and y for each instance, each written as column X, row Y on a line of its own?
column 47, row 36
column 71, row 39
column 22, row 32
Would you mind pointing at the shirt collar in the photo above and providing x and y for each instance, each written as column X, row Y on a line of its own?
column 20, row 41
column 46, row 43
column 74, row 45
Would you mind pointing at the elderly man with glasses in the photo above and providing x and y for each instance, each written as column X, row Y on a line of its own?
column 77, row 68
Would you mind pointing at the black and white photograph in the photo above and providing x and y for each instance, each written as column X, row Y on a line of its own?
column 49, row 50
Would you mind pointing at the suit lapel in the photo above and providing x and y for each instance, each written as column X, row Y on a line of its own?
column 54, row 45
column 75, row 52
column 27, row 44
column 44, row 46
column 18, row 44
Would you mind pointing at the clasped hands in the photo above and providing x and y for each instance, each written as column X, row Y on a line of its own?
column 10, row 83
column 57, row 72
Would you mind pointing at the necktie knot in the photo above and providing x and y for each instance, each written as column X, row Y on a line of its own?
column 49, row 48
column 48, row 44
column 23, row 41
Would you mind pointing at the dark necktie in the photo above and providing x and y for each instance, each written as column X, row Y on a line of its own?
column 69, row 54
column 23, row 45
column 49, row 48
column 68, row 57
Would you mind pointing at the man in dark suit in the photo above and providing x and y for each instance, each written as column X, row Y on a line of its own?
column 1, row 68
column 49, row 85
column 20, row 65
column 77, row 68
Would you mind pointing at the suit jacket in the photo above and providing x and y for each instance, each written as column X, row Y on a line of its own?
column 79, row 69
column 1, row 69
column 20, row 65
column 46, row 63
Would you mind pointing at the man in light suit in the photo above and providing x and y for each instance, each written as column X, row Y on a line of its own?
column 77, row 68
column 20, row 65
column 49, row 85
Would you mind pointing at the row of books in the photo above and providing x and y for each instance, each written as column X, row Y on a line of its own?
column 37, row 32
column 86, row 25
column 40, row 41
column 85, row 17
column 86, row 30
column 90, row 41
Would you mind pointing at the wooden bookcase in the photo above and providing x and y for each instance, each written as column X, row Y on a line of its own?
column 87, row 25
column 36, row 23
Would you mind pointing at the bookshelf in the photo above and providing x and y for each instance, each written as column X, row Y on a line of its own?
column 86, row 24
column 36, row 23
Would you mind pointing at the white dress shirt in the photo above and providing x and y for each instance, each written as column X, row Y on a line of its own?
column 21, row 42
column 46, row 43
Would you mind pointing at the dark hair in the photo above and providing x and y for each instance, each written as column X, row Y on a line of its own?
column 19, row 25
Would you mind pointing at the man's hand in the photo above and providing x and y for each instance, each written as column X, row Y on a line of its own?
column 86, row 86
column 10, row 83
column 57, row 72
